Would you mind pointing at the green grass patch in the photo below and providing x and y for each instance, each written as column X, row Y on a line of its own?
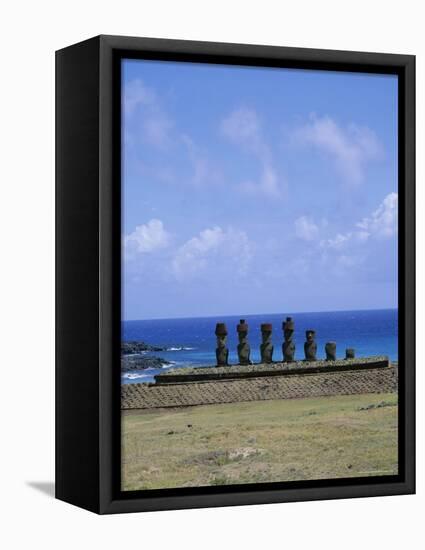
column 260, row 441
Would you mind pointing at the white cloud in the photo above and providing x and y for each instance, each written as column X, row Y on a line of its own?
column 363, row 251
column 351, row 147
column 147, row 238
column 204, row 171
column 342, row 239
column 214, row 252
column 156, row 129
column 243, row 127
column 144, row 115
column 306, row 229
column 137, row 94
column 146, row 120
column 348, row 250
column 267, row 184
column 383, row 222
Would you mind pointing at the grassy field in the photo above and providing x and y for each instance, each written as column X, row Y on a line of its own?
column 260, row 441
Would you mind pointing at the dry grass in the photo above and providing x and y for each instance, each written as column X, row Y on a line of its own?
column 261, row 441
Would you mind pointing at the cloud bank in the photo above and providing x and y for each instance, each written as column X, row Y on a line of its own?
column 380, row 225
column 351, row 148
column 243, row 128
column 306, row 229
column 147, row 238
column 214, row 252
column 209, row 255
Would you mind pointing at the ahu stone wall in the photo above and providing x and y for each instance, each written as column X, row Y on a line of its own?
column 151, row 396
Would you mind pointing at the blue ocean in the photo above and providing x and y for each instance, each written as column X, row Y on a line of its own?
column 191, row 341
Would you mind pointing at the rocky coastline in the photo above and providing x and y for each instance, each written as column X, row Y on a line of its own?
column 133, row 356
column 129, row 348
column 129, row 363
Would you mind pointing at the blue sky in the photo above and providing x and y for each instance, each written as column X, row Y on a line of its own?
column 257, row 190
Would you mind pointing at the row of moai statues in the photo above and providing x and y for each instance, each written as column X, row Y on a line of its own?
column 266, row 347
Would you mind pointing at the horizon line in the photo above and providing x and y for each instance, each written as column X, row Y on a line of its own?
column 256, row 314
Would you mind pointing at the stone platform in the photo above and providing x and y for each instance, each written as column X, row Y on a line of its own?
column 374, row 379
column 198, row 374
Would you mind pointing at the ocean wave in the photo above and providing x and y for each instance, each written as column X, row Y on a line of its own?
column 134, row 376
column 180, row 348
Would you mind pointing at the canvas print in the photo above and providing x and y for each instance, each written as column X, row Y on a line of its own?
column 259, row 275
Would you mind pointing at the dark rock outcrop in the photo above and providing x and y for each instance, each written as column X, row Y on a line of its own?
column 140, row 362
column 128, row 348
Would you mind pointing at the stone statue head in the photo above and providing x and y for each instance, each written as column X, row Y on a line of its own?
column 288, row 327
column 350, row 353
column 242, row 330
column 266, row 332
column 221, row 333
column 310, row 335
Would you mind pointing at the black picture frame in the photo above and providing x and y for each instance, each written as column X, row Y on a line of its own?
column 88, row 270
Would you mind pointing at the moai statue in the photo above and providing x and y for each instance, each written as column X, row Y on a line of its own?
column 288, row 346
column 244, row 349
column 222, row 352
column 310, row 346
column 266, row 347
column 350, row 353
column 330, row 349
